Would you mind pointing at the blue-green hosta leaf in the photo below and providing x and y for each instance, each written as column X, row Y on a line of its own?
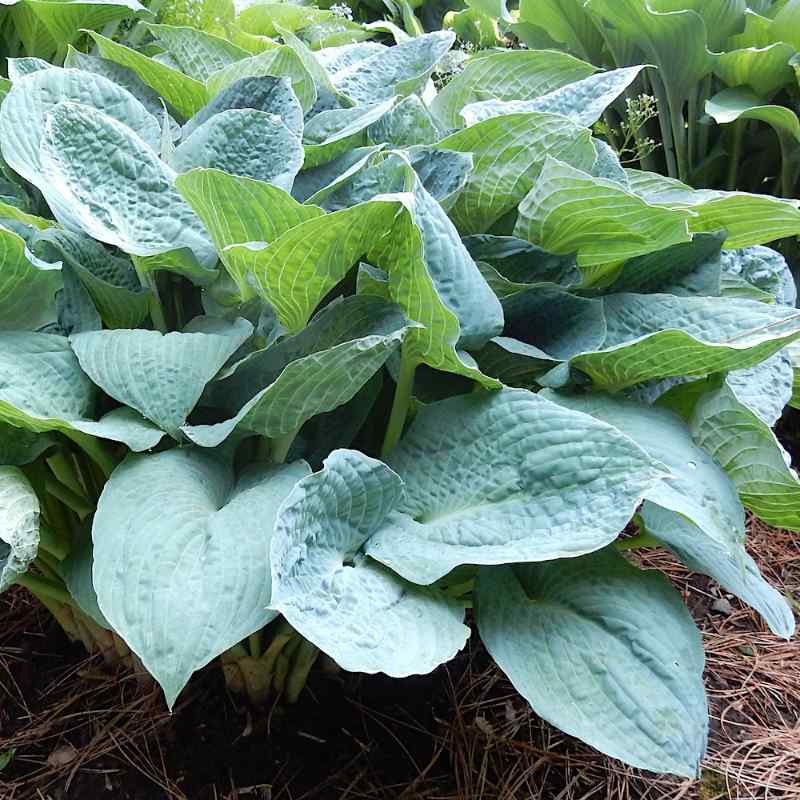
column 763, row 268
column 506, row 75
column 110, row 280
column 264, row 93
column 314, row 186
column 20, row 67
column 696, row 488
column 245, row 142
column 408, row 123
column 443, row 173
column 122, row 76
column 746, row 448
column 571, row 211
column 661, row 335
column 76, row 570
column 275, row 391
column 400, row 70
column 765, row 388
column 500, row 477
column 691, row 268
column 31, row 99
column 583, row 101
column 749, row 219
column 607, row 164
column 27, row 285
column 279, row 62
column 186, row 95
column 372, row 621
column 297, row 269
column 19, row 525
column 536, row 618
column 46, row 390
column 161, row 376
column 675, row 41
column 116, row 187
column 198, row 54
column 266, row 19
column 764, row 69
column 236, row 209
column 332, row 133
column 509, row 153
column 736, row 572
column 76, row 309
column 181, row 557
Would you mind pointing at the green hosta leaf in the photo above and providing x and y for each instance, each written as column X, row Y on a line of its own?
column 27, row 286
column 181, row 557
column 509, row 153
column 236, row 209
column 634, row 683
column 373, row 621
column 161, row 376
column 334, row 33
column 746, row 448
column 205, row 15
column 266, row 19
column 275, row 391
column 566, row 21
column 749, row 219
column 264, row 93
column 696, row 488
column 660, row 336
column 19, row 525
column 499, row 477
column 507, row 75
column 30, row 101
column 198, row 54
column 583, row 101
column 736, row 572
column 730, row 105
column 674, row 41
column 279, row 62
column 765, row 70
column 186, row 95
column 245, row 142
column 111, row 281
column 400, row 70
column 91, row 157
column 19, row 447
column 570, row 211
column 65, row 19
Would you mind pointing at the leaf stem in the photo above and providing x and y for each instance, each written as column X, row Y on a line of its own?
column 665, row 122
column 279, row 447
column 642, row 539
column 298, row 674
column 93, row 448
column 736, row 153
column 54, row 542
column 80, row 505
column 402, row 400
column 44, row 587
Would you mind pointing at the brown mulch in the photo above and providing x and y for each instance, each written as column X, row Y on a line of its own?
column 69, row 729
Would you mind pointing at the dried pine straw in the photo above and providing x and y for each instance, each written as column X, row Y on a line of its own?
column 73, row 720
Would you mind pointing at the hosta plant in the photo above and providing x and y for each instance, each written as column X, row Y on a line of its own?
column 300, row 355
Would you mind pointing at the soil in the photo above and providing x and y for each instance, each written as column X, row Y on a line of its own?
column 461, row 733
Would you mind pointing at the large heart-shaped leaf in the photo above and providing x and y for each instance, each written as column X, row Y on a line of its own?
column 604, row 651
column 499, row 477
column 358, row 612
column 19, row 525
column 181, row 557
